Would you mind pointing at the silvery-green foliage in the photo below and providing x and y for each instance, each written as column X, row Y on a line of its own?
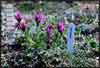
column 55, row 56
column 82, row 58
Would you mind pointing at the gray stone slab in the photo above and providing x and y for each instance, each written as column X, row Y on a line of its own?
column 9, row 10
column 10, row 14
column 9, row 6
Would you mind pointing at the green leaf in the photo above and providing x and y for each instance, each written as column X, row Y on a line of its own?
column 93, row 44
column 29, row 38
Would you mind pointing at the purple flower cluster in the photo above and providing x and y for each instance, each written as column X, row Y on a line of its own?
column 22, row 25
column 18, row 15
column 60, row 27
column 49, row 28
column 40, row 17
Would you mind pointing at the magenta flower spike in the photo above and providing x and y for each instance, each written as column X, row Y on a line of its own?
column 22, row 25
column 18, row 15
column 60, row 27
column 49, row 29
column 49, row 35
column 40, row 17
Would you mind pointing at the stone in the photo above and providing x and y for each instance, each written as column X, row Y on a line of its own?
column 10, row 14
column 9, row 6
